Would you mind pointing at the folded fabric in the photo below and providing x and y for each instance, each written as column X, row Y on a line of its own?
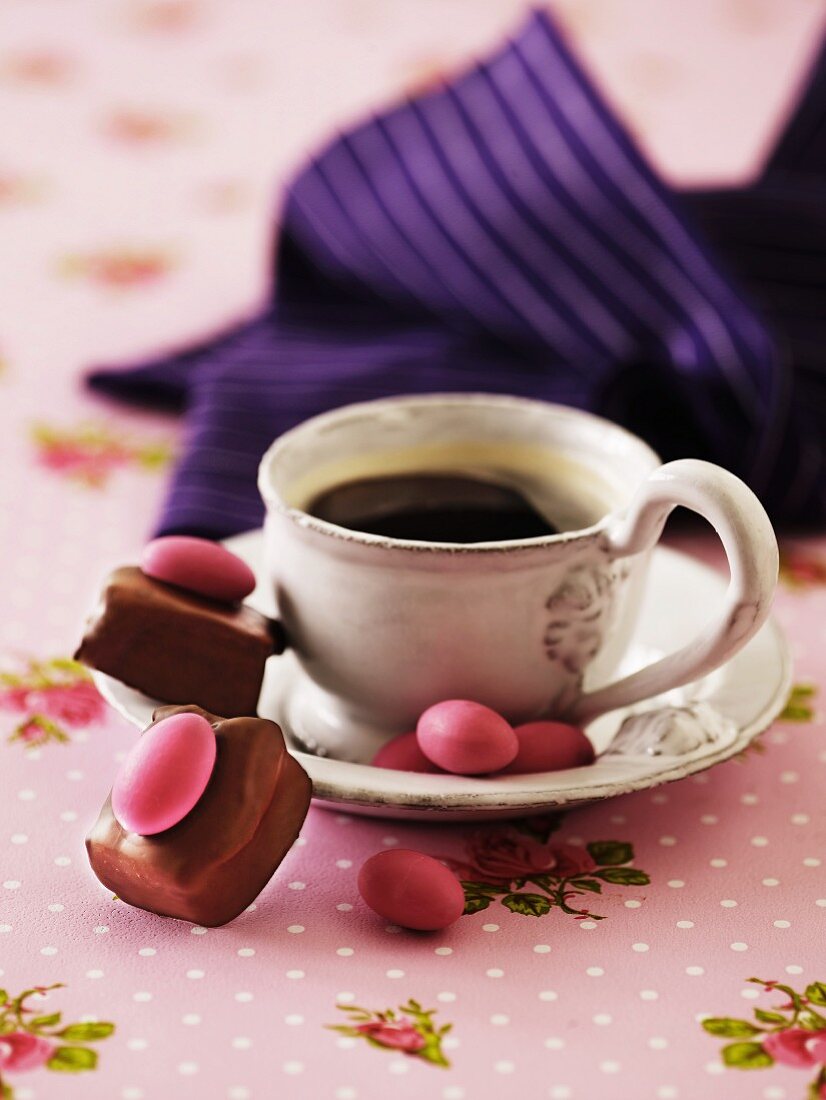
column 504, row 234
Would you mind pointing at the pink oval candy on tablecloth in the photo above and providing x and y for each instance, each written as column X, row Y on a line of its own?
column 165, row 774
column 200, row 566
column 411, row 889
column 403, row 754
column 549, row 747
column 466, row 738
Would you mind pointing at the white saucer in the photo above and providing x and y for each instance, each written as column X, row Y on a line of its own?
column 686, row 731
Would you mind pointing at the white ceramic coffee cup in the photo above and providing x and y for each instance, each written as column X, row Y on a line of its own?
column 383, row 628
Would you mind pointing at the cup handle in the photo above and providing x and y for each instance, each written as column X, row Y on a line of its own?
column 751, row 547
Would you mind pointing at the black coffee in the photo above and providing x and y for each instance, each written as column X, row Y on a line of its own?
column 431, row 508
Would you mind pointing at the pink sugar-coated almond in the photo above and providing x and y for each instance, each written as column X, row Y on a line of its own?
column 466, row 738
column 411, row 889
column 164, row 775
column 549, row 747
column 403, row 754
column 200, row 566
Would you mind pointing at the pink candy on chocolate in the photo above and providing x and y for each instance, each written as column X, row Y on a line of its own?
column 411, row 889
column 466, row 738
column 200, row 566
column 404, row 755
column 164, row 775
column 549, row 747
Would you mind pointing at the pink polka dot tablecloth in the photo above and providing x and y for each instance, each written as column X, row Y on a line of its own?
column 675, row 947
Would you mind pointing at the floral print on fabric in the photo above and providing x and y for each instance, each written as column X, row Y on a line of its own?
column 91, row 453
column 51, row 698
column 410, row 1029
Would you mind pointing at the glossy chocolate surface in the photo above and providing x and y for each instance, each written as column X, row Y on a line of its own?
column 178, row 647
column 211, row 865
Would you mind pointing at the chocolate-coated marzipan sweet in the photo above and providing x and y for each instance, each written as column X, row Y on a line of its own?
column 211, row 865
column 178, row 647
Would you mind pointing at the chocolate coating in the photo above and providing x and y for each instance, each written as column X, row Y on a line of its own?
column 211, row 865
column 178, row 647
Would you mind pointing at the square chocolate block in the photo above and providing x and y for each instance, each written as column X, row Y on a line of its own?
column 178, row 647
column 211, row 865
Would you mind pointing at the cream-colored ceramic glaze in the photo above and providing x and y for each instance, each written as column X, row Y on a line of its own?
column 686, row 731
column 382, row 628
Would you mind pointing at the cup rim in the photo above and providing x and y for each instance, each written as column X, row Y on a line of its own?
column 306, row 521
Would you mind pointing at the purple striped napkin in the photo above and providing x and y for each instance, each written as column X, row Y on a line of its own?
column 504, row 234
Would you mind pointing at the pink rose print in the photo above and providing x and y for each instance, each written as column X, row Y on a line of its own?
column 37, row 68
column 399, row 1034
column 51, row 695
column 20, row 1051
column 409, row 1029
column 144, row 127
column 790, row 1034
column 31, row 1039
column 164, row 16
column 91, row 453
column 500, row 862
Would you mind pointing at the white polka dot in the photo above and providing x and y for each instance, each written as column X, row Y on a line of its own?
column 74, row 775
column 241, row 1042
column 771, row 881
column 295, row 974
column 137, row 1044
column 11, row 884
column 147, row 952
column 782, row 924
column 48, row 950
column 811, row 861
column 794, row 969
column 749, row 799
column 554, row 1043
column 26, row 795
column 294, row 1020
column 446, row 998
column 659, row 799
column 714, row 1068
column 541, row 948
column 246, row 952
column 130, row 1093
column 19, row 838
column 490, row 927
column 197, row 930
column 588, row 925
column 594, row 971
column 789, row 777
column 195, row 974
column 728, row 903
column 800, row 819
column 718, row 863
column 343, row 864
column 633, row 904
column 495, row 972
column 295, row 929
column 610, row 1067
column 453, row 1092
column 187, row 1069
column 499, row 1020
column 344, row 907
column 675, row 883
column 62, row 861
column 774, row 1092
column 750, row 994
column 243, row 997
column 95, row 974
column 398, row 1067
column 238, row 1092
column 297, row 885
column 191, row 1019
column 603, row 1019
column 560, row 1092
column 648, row 995
column 641, row 947
column 657, row 1043
column 504, row 1067
column 759, row 842
column 821, row 902
column 667, row 1092
column 443, row 951
column 345, row 998
column 5, row 928
column 101, row 929
column 345, row 952
column 548, row 995
column 346, row 1093
column 685, row 923
column 395, row 973
column 142, row 997
column 694, row 971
